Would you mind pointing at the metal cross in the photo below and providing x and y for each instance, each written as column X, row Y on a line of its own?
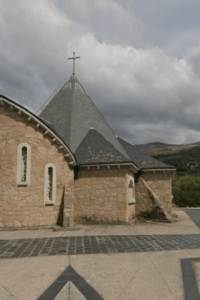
column 74, row 57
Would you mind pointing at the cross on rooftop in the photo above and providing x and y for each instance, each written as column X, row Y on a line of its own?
column 74, row 57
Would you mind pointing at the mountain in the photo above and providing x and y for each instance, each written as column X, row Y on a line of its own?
column 185, row 157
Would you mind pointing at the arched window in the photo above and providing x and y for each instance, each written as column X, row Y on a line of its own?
column 24, row 164
column 50, row 184
column 131, row 190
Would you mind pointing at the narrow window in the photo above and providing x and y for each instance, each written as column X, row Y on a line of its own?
column 50, row 184
column 131, row 190
column 23, row 164
column 50, row 177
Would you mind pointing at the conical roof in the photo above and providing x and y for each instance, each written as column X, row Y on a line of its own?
column 72, row 113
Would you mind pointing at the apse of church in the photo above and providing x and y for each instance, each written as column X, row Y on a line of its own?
column 25, row 186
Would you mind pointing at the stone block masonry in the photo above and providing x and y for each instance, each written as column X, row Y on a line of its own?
column 101, row 195
column 161, row 184
column 23, row 206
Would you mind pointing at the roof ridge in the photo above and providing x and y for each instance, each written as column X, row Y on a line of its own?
column 72, row 102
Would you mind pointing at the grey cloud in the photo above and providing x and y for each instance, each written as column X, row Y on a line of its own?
column 172, row 100
column 109, row 21
column 172, row 25
column 193, row 57
column 145, row 94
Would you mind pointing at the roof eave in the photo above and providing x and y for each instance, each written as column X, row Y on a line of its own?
column 158, row 169
column 109, row 164
column 37, row 120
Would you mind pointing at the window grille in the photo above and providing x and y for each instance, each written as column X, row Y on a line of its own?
column 50, row 179
column 50, row 184
column 23, row 164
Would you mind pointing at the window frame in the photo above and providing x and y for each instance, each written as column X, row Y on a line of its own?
column 54, row 180
column 19, row 181
column 131, row 198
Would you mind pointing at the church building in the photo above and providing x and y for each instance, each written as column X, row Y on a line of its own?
column 66, row 166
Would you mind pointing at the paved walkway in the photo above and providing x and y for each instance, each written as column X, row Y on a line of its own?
column 96, row 244
column 142, row 261
column 194, row 215
column 184, row 226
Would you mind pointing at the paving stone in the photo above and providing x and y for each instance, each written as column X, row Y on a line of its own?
column 97, row 244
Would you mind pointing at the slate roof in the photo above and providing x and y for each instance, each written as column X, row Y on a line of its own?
column 76, row 119
column 96, row 149
column 141, row 159
column 73, row 113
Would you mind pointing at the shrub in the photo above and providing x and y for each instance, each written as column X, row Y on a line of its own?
column 186, row 190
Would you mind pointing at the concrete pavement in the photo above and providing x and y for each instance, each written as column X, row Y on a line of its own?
column 185, row 225
column 117, row 276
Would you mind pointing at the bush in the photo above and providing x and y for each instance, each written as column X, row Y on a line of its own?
column 186, row 191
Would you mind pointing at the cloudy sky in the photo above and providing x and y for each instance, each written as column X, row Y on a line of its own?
column 140, row 60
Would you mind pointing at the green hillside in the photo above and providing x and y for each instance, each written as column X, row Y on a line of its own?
column 186, row 160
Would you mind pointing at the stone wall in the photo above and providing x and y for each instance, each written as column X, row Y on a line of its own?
column 98, row 195
column 101, row 195
column 130, row 212
column 24, row 205
column 68, row 209
column 161, row 184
